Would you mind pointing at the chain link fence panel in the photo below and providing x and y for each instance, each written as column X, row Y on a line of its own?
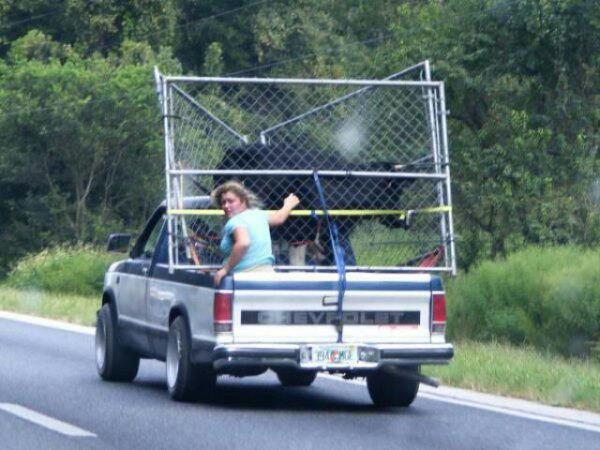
column 379, row 150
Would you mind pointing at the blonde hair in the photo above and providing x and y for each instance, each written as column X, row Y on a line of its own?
column 238, row 189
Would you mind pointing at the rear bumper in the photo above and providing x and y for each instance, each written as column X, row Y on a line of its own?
column 234, row 356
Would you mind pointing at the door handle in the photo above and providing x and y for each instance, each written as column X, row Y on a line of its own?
column 144, row 270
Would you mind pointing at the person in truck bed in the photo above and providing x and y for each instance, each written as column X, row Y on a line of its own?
column 246, row 241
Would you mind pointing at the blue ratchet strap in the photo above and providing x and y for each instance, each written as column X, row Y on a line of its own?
column 338, row 254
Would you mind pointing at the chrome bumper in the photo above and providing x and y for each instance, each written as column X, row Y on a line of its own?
column 372, row 357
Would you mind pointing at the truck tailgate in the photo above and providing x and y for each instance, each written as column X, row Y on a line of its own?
column 301, row 307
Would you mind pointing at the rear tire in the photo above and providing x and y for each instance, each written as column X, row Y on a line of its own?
column 186, row 381
column 291, row 377
column 392, row 389
column 113, row 361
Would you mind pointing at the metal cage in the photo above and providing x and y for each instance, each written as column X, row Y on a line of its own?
column 368, row 159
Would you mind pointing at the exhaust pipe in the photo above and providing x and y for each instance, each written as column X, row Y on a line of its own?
column 395, row 370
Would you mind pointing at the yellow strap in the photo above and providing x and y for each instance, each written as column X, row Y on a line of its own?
column 332, row 212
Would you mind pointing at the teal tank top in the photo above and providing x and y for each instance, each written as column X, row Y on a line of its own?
column 256, row 223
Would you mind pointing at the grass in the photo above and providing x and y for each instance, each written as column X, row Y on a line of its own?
column 77, row 270
column 486, row 367
column 522, row 372
column 67, row 307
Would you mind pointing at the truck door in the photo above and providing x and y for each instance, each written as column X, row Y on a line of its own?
column 160, row 295
column 133, row 285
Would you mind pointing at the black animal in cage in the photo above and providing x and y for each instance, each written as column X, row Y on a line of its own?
column 341, row 192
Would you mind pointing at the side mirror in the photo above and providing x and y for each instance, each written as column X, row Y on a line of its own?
column 118, row 242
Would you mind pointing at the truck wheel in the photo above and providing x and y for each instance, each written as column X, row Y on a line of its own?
column 113, row 361
column 291, row 377
column 186, row 381
column 391, row 389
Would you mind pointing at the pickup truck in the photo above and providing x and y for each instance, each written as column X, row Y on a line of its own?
column 289, row 322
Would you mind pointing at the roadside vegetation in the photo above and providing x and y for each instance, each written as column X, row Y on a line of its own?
column 546, row 298
column 74, row 270
column 73, row 308
column 522, row 372
column 63, row 283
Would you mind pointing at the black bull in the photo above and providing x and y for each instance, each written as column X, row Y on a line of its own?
column 340, row 192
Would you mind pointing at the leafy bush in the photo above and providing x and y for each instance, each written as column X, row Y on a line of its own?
column 545, row 297
column 75, row 270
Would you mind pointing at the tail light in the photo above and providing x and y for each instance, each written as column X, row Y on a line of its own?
column 222, row 312
column 438, row 321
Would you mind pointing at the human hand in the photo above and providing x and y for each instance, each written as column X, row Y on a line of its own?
column 219, row 275
column 291, row 201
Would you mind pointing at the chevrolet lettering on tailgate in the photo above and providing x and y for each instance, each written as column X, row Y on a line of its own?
column 330, row 317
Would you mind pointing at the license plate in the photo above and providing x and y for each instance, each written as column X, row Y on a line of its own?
column 333, row 354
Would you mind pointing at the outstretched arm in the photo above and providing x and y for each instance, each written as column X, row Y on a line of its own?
column 279, row 217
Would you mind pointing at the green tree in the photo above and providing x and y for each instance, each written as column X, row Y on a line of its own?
column 520, row 79
column 82, row 149
column 90, row 26
column 213, row 60
column 227, row 22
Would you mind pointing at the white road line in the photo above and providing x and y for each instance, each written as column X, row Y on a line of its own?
column 45, row 421
column 46, row 322
column 529, row 410
column 513, row 412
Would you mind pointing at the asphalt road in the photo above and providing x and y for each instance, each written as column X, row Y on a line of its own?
column 51, row 372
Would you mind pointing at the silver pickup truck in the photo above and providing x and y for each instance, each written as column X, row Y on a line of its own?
column 290, row 322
